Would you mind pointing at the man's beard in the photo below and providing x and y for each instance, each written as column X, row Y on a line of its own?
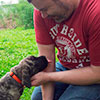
column 59, row 19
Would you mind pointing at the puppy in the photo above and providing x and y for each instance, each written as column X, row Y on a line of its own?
column 12, row 84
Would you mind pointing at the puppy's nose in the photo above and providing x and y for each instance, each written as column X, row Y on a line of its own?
column 49, row 61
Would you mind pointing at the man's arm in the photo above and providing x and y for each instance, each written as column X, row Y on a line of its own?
column 82, row 76
column 49, row 52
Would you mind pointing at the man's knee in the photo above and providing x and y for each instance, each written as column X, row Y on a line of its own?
column 89, row 92
column 37, row 95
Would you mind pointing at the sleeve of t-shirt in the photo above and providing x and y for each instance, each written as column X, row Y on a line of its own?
column 94, row 38
column 41, row 30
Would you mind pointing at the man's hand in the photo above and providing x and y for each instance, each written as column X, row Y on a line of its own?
column 39, row 79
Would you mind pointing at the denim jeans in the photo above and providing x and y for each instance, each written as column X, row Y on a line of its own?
column 70, row 92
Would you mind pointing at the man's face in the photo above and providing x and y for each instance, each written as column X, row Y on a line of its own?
column 56, row 10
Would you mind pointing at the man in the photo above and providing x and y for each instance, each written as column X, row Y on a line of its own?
column 73, row 27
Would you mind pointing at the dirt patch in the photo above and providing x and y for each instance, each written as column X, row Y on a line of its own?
column 7, row 24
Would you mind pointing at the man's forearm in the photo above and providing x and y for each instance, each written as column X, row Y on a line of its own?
column 82, row 76
column 48, row 88
column 49, row 52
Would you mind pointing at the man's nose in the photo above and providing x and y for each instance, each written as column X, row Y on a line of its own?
column 44, row 14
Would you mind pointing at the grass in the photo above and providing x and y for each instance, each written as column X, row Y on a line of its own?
column 15, row 45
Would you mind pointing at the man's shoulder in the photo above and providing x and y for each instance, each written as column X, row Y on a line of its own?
column 91, row 9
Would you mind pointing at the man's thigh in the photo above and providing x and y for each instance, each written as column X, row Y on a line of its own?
column 74, row 92
column 59, row 90
column 37, row 94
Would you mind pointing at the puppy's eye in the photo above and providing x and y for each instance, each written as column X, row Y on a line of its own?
column 32, row 57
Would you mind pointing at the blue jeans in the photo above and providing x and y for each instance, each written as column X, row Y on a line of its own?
column 70, row 92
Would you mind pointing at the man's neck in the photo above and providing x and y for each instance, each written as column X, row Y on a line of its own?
column 77, row 3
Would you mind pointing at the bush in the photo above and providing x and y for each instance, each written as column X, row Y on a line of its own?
column 25, row 15
column 19, row 15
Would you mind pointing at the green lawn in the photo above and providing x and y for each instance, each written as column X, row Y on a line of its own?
column 15, row 45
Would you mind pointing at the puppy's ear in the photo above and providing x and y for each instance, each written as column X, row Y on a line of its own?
column 26, row 78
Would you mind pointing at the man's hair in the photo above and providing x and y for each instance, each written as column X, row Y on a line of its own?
column 29, row 1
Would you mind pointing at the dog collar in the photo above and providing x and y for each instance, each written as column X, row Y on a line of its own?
column 15, row 77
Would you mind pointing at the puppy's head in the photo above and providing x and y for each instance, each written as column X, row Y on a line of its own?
column 37, row 64
column 31, row 66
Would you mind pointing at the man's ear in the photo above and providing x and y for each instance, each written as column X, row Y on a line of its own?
column 26, row 78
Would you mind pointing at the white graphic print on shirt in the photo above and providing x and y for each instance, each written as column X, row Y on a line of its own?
column 68, row 44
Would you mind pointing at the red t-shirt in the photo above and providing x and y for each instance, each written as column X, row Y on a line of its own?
column 77, row 39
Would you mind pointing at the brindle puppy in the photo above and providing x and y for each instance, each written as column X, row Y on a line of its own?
column 10, row 89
